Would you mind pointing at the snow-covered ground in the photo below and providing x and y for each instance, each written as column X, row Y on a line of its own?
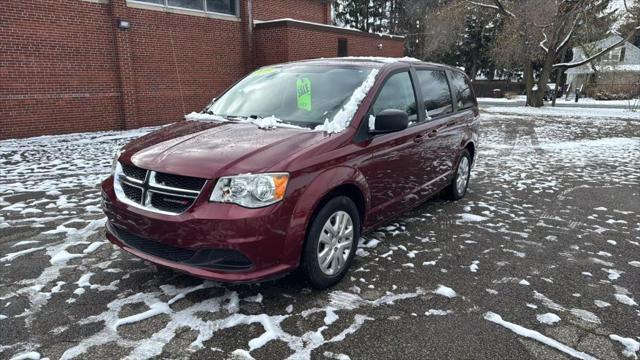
column 540, row 260
column 564, row 101
column 563, row 112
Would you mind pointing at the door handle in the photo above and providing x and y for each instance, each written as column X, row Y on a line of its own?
column 418, row 139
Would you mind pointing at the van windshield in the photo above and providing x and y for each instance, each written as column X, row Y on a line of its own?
column 303, row 95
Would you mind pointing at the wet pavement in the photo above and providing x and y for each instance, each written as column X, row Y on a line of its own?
column 541, row 259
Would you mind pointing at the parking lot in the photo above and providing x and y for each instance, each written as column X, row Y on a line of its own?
column 540, row 260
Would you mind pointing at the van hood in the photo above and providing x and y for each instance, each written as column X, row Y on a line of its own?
column 212, row 149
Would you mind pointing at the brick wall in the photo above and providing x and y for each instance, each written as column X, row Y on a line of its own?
column 305, row 41
column 57, row 68
column 65, row 67
column 181, row 61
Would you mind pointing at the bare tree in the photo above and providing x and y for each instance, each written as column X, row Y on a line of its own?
column 541, row 32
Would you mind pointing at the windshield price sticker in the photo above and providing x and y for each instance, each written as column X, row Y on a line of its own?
column 303, row 87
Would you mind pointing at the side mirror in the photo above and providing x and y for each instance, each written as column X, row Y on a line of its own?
column 390, row 120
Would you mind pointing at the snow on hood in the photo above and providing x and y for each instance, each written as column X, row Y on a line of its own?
column 343, row 118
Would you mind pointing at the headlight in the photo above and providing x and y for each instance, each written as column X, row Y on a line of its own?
column 116, row 156
column 250, row 190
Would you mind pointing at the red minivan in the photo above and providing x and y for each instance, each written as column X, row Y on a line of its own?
column 289, row 166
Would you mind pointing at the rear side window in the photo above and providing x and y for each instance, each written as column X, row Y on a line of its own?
column 436, row 93
column 397, row 93
column 462, row 90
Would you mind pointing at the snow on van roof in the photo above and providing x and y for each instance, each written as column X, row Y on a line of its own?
column 370, row 59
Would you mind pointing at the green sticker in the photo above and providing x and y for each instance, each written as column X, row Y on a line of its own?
column 303, row 88
column 263, row 71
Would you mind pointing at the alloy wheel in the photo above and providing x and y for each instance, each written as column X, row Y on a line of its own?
column 463, row 175
column 335, row 243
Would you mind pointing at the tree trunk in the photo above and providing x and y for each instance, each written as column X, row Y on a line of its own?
column 543, row 79
column 563, row 54
column 528, row 77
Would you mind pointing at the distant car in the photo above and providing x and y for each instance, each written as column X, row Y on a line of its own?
column 551, row 91
column 291, row 165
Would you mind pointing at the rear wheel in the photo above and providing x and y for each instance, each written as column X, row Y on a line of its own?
column 458, row 187
column 331, row 242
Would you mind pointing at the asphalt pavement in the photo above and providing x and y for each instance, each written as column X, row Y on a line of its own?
column 550, row 225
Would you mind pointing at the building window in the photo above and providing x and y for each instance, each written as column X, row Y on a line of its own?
column 343, row 48
column 222, row 6
column 615, row 55
column 229, row 7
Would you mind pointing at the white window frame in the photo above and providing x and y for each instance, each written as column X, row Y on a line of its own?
column 613, row 55
column 165, row 5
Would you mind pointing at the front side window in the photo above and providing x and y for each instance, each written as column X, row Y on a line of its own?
column 436, row 92
column 462, row 91
column 213, row 6
column 397, row 93
column 303, row 95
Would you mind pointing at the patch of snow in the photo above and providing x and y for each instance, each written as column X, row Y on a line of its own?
column 548, row 318
column 11, row 256
column 524, row 282
column 330, row 355
column 62, row 256
column 548, row 302
column 585, row 315
column 532, row 334
column 601, row 304
column 29, row 355
column 197, row 116
column 438, row 312
column 330, row 316
column 601, row 262
column 471, row 217
column 563, row 112
column 445, row 291
column 25, row 242
column 625, row 299
column 631, row 346
column 474, row 266
column 516, row 253
column 372, row 122
column 613, row 274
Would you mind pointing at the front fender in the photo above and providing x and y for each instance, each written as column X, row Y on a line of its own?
column 308, row 202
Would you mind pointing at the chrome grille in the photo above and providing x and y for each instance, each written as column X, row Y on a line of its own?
column 155, row 191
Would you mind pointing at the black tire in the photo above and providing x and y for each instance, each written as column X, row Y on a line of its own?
column 452, row 191
column 310, row 263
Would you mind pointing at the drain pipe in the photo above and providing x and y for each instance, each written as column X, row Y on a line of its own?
column 252, row 62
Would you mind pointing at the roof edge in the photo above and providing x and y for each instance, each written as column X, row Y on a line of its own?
column 263, row 24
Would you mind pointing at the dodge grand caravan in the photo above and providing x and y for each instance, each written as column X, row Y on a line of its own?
column 288, row 167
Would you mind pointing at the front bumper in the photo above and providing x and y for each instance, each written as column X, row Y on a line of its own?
column 221, row 242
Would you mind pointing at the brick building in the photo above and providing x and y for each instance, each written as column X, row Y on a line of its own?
column 90, row 65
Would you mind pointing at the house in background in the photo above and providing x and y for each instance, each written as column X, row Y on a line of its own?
column 90, row 65
column 615, row 75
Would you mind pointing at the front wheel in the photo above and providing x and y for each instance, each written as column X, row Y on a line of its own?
column 331, row 242
column 458, row 187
